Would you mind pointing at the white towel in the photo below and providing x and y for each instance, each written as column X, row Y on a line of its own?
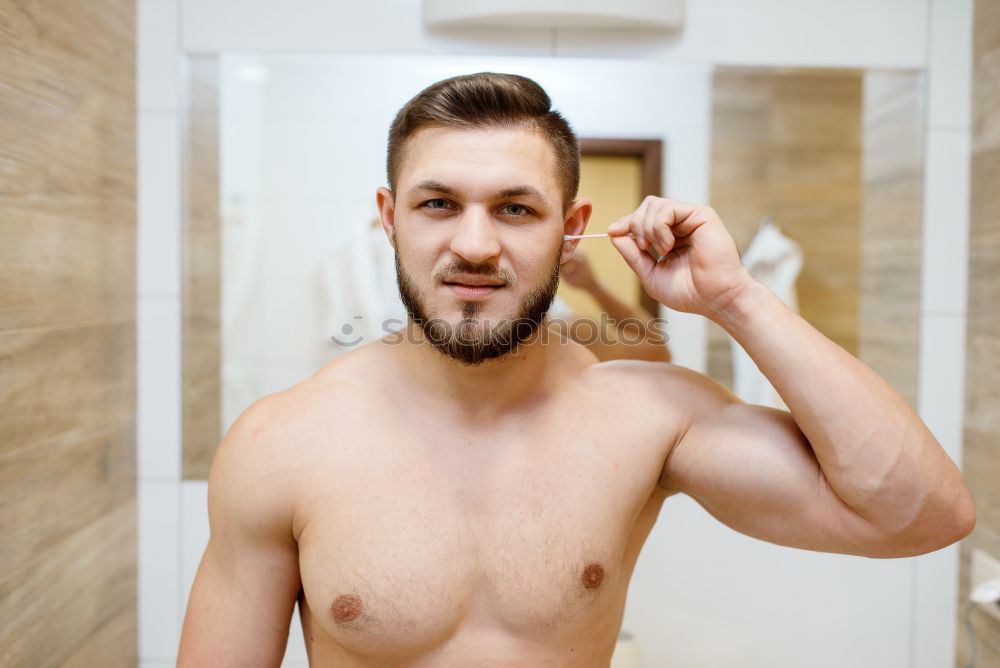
column 362, row 296
column 774, row 260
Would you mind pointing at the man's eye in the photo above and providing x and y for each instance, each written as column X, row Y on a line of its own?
column 524, row 210
column 430, row 201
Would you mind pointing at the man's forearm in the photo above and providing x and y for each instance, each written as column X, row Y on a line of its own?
column 876, row 453
column 617, row 309
column 633, row 322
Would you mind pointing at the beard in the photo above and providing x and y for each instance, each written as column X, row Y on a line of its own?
column 471, row 341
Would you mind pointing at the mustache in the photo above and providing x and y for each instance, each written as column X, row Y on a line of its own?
column 487, row 270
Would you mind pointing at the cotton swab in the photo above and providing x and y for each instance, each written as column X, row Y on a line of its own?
column 587, row 236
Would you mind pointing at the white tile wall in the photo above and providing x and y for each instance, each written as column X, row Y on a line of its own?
column 159, row 332
column 820, row 33
column 946, row 222
column 309, row 26
column 159, row 394
column 159, row 204
column 159, row 570
column 158, row 55
column 934, row 608
column 194, row 532
column 941, row 392
column 943, row 302
column 941, row 405
column 295, row 652
column 950, row 57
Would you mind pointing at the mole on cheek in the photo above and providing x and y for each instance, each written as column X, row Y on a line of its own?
column 346, row 607
column 593, row 575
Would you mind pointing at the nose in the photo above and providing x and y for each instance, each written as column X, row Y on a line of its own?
column 476, row 238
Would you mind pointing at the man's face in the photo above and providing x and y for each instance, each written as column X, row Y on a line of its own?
column 477, row 226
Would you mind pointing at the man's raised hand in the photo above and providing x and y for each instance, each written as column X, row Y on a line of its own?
column 683, row 255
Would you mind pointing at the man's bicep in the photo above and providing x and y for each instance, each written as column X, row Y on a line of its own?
column 239, row 611
column 248, row 579
column 753, row 469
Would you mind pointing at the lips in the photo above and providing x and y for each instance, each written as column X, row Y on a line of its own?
column 476, row 283
column 467, row 291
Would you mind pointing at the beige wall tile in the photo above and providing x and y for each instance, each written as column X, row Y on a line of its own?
column 67, row 333
column 981, row 447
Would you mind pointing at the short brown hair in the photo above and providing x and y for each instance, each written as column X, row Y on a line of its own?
column 488, row 100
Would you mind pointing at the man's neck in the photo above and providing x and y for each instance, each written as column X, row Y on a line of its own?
column 479, row 391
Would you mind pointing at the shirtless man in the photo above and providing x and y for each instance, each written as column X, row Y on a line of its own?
column 474, row 491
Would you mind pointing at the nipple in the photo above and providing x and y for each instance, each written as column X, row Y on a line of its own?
column 346, row 608
column 593, row 575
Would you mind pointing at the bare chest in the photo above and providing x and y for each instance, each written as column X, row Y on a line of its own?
column 531, row 537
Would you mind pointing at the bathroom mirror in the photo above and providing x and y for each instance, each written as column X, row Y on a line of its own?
column 282, row 156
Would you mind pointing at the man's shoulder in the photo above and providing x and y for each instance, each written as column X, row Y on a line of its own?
column 247, row 485
column 637, row 371
column 299, row 410
column 644, row 380
column 260, row 463
column 276, row 425
column 355, row 368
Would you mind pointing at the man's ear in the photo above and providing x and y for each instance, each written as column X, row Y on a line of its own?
column 386, row 203
column 577, row 217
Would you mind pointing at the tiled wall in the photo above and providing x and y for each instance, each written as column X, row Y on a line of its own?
column 944, row 257
column 982, row 386
column 159, row 432
column 67, row 334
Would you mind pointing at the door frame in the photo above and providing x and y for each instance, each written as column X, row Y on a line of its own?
column 650, row 152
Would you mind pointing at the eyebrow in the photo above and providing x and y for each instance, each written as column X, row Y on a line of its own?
column 514, row 191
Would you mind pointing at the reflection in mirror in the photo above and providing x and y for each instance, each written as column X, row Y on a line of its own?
column 817, row 175
column 282, row 239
